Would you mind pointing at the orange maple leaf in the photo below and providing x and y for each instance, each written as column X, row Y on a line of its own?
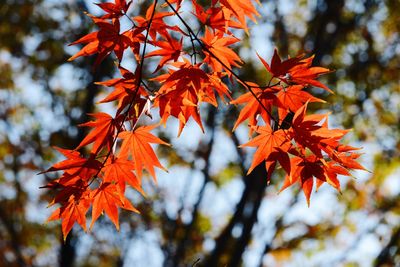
column 253, row 108
column 124, row 92
column 158, row 26
column 170, row 50
column 217, row 18
column 303, row 73
column 292, row 98
column 271, row 146
column 137, row 144
column 241, row 9
column 218, row 45
column 73, row 211
column 102, row 134
column 76, row 165
column 332, row 170
column 120, row 171
column 183, row 89
column 108, row 197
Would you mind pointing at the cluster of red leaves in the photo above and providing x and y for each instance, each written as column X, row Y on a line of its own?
column 120, row 150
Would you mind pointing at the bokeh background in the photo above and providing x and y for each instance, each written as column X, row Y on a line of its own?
column 205, row 211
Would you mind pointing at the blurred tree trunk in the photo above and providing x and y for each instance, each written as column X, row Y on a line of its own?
column 228, row 248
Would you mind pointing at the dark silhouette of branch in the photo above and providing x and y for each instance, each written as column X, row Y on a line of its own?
column 386, row 256
column 14, row 237
column 245, row 217
column 204, row 150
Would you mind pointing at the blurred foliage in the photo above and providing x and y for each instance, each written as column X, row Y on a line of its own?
column 204, row 208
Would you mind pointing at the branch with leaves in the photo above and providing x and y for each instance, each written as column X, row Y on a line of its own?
column 192, row 68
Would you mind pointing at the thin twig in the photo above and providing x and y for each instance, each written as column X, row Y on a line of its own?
column 137, row 86
column 196, row 262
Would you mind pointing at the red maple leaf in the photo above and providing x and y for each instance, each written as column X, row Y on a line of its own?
column 213, row 85
column 304, row 130
column 332, row 170
column 114, row 10
column 303, row 170
column 279, row 68
column 295, row 70
column 179, row 93
column 304, row 74
column 103, row 42
column 158, row 25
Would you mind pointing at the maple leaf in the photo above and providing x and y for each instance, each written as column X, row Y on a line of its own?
column 295, row 70
column 170, row 50
column 217, row 44
column 336, row 150
column 125, row 90
column 119, row 171
column 271, row 145
column 179, row 93
column 183, row 89
column 253, row 108
column 136, row 38
column 158, row 26
column 214, row 84
column 76, row 165
column 114, row 10
column 216, row 18
column 303, row 170
column 240, row 9
column 103, row 42
column 332, row 170
column 278, row 67
column 304, row 74
column 74, row 210
column 305, row 130
column 292, row 98
column 348, row 160
column 137, row 144
column 108, row 197
column 181, row 104
column 102, row 134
